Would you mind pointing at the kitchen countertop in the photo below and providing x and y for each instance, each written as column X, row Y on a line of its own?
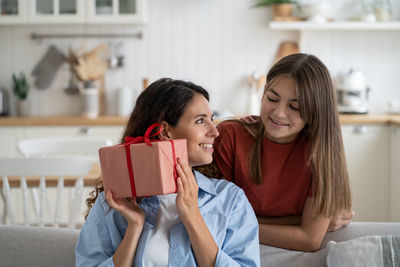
column 120, row 121
column 63, row 121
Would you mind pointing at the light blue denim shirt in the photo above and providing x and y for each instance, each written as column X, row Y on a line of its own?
column 224, row 207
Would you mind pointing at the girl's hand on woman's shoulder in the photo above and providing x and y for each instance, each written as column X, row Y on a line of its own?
column 128, row 208
column 187, row 198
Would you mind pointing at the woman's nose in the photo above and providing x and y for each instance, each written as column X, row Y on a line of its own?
column 213, row 130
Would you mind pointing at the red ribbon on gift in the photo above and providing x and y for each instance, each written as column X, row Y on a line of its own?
column 144, row 139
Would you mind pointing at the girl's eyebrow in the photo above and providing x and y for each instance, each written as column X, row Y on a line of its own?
column 275, row 93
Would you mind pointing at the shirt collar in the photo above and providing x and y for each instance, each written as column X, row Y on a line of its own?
column 204, row 183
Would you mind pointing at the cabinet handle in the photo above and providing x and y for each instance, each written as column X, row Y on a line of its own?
column 360, row 129
column 85, row 131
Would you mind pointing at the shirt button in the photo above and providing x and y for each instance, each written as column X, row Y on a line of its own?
column 173, row 245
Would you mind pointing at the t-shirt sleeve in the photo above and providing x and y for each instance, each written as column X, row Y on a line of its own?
column 223, row 151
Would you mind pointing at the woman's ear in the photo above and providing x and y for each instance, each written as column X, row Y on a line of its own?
column 164, row 134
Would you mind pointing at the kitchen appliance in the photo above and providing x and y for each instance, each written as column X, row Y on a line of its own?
column 4, row 102
column 352, row 92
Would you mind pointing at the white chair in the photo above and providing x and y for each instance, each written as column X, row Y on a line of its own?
column 42, row 167
column 61, row 146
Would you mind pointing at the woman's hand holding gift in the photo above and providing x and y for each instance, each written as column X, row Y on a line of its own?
column 128, row 208
column 186, row 200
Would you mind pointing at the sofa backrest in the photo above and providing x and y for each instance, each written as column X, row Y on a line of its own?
column 37, row 246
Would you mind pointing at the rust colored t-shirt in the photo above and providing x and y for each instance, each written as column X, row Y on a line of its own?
column 286, row 178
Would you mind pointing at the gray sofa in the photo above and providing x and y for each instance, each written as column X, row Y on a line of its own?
column 36, row 246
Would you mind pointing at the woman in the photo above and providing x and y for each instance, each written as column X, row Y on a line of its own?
column 290, row 160
column 209, row 222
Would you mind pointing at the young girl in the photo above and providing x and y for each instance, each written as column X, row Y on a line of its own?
column 209, row 222
column 290, row 160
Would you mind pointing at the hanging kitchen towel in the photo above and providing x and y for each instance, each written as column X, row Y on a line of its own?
column 46, row 69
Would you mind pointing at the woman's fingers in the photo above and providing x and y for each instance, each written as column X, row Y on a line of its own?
column 183, row 177
column 181, row 189
column 185, row 172
column 110, row 199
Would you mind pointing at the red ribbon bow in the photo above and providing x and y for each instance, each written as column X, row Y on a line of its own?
column 144, row 139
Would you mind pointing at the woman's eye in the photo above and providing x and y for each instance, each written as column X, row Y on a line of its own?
column 294, row 108
column 199, row 121
column 271, row 100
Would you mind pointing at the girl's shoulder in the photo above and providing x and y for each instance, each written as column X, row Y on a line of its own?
column 247, row 120
column 241, row 126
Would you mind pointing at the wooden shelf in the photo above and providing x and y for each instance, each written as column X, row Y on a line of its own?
column 121, row 121
column 343, row 25
column 62, row 121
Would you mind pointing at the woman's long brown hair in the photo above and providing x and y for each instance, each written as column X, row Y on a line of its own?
column 164, row 100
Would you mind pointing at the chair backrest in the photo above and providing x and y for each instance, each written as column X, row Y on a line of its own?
column 87, row 146
column 46, row 166
column 78, row 166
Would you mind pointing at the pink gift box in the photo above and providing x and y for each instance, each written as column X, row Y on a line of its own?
column 152, row 167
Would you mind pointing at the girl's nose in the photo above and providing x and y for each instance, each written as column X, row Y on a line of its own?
column 280, row 110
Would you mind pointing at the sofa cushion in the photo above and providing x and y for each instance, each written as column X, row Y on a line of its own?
column 37, row 246
column 272, row 256
column 45, row 246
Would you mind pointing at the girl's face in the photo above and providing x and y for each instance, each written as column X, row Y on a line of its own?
column 196, row 126
column 280, row 111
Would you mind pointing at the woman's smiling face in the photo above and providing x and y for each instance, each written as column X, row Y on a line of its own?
column 196, row 126
column 280, row 111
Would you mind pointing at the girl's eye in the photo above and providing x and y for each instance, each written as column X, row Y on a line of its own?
column 294, row 108
column 271, row 100
column 199, row 121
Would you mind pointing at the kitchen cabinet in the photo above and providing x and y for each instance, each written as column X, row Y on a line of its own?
column 56, row 11
column 368, row 159
column 116, row 11
column 73, row 11
column 395, row 174
column 12, row 11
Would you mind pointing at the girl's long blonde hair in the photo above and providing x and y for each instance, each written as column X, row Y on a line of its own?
column 318, row 108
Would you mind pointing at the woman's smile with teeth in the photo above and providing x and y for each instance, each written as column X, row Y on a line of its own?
column 209, row 146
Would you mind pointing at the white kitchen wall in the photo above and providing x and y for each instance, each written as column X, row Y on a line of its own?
column 215, row 43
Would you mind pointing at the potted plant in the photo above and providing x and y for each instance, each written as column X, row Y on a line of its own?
column 20, row 89
column 281, row 8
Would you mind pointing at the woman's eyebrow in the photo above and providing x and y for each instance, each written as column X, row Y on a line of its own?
column 200, row 116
